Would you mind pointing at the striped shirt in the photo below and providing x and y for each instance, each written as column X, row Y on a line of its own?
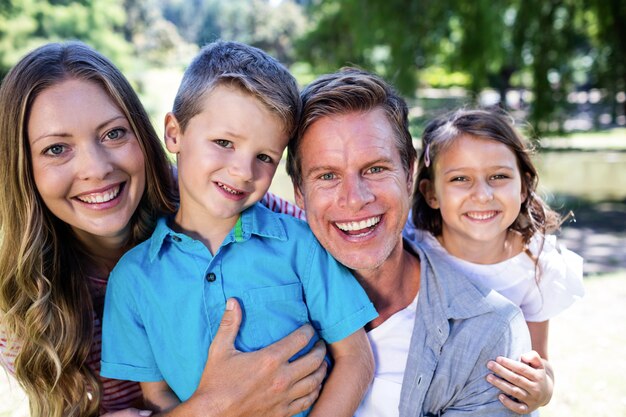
column 116, row 394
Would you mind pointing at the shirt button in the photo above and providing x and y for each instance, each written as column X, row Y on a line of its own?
column 210, row 277
column 176, row 238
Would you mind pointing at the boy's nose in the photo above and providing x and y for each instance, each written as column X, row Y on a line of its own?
column 242, row 168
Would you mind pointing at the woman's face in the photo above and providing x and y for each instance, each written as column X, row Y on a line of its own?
column 87, row 163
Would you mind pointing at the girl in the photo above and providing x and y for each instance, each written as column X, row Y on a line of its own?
column 84, row 176
column 475, row 203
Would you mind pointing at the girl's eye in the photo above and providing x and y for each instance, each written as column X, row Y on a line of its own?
column 115, row 133
column 54, row 150
column 499, row 177
column 328, row 176
column 223, row 143
column 458, row 179
column 264, row 158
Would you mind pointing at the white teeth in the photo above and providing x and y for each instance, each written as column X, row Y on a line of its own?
column 363, row 224
column 481, row 216
column 101, row 197
column 228, row 189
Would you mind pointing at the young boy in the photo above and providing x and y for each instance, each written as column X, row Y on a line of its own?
column 233, row 115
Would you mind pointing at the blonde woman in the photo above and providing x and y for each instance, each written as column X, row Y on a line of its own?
column 84, row 177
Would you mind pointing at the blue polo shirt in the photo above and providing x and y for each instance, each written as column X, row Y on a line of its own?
column 165, row 298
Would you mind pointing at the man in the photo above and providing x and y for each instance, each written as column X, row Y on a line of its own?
column 352, row 168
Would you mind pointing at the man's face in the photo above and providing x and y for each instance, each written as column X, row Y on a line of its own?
column 354, row 190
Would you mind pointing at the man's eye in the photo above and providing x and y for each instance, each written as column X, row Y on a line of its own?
column 264, row 158
column 223, row 143
column 327, row 176
column 376, row 170
column 54, row 150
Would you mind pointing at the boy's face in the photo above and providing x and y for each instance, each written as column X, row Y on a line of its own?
column 227, row 156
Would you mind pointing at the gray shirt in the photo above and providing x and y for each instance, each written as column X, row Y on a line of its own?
column 459, row 327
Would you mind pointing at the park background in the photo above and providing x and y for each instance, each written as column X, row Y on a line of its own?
column 558, row 67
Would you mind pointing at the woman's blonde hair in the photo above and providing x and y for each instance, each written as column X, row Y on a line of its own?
column 46, row 310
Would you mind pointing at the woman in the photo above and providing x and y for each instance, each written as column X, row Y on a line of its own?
column 84, row 176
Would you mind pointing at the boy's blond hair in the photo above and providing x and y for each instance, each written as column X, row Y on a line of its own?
column 249, row 69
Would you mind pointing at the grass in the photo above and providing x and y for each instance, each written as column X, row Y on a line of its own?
column 586, row 342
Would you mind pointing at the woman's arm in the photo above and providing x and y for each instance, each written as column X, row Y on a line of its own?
column 349, row 378
column 261, row 383
column 528, row 383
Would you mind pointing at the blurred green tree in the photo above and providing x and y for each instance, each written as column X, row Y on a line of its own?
column 25, row 24
column 531, row 44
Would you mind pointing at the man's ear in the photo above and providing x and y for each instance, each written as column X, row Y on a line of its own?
column 428, row 191
column 297, row 193
column 172, row 133
column 411, row 177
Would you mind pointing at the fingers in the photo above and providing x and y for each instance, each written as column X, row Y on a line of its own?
column 513, row 390
column 533, row 359
column 515, row 406
column 310, row 383
column 304, row 403
column 513, row 371
column 229, row 327
column 290, row 345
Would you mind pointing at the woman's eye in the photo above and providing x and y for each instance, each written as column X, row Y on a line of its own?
column 54, row 150
column 264, row 158
column 115, row 133
column 223, row 143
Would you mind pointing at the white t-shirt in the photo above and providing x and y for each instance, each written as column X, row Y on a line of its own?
column 560, row 276
column 390, row 343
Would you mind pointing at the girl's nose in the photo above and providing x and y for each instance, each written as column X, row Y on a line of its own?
column 483, row 193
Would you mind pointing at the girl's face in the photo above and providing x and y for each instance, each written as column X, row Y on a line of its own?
column 87, row 163
column 478, row 189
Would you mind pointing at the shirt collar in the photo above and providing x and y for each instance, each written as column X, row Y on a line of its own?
column 255, row 220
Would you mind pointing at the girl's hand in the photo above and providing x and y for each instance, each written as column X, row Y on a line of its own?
column 129, row 412
column 528, row 384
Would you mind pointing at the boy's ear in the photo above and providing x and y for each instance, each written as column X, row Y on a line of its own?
column 297, row 193
column 172, row 133
column 428, row 191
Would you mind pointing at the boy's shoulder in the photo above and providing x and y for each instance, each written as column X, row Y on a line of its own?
column 141, row 254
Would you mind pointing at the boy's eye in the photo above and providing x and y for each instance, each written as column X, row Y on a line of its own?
column 115, row 133
column 264, row 158
column 458, row 179
column 223, row 143
column 54, row 150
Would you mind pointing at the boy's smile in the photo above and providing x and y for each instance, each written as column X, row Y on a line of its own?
column 227, row 157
